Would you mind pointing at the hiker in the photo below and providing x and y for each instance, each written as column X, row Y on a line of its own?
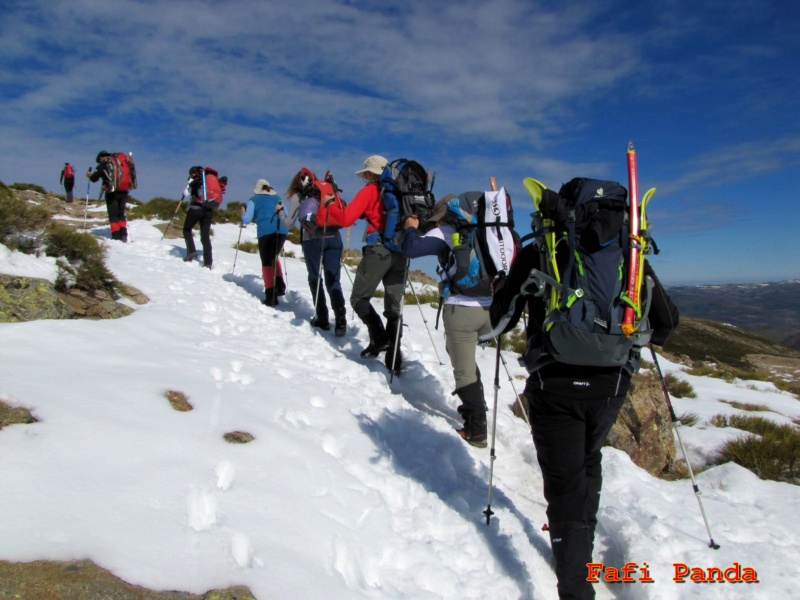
column 378, row 265
column 116, row 195
column 465, row 318
column 322, row 248
column 67, row 180
column 205, row 193
column 571, row 409
column 263, row 208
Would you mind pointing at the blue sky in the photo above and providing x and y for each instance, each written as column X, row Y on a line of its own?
column 708, row 92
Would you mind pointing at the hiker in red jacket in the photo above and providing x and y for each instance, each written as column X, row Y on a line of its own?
column 68, row 180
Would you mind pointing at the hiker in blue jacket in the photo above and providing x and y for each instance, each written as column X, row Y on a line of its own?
column 264, row 208
column 465, row 318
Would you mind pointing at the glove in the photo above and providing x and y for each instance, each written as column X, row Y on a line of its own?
column 186, row 191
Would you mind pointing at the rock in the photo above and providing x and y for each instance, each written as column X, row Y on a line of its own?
column 643, row 428
column 82, row 579
column 28, row 299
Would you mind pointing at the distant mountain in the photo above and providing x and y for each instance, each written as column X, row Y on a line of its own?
column 770, row 310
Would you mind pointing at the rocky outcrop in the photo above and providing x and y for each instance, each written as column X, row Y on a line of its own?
column 643, row 428
column 26, row 299
column 82, row 579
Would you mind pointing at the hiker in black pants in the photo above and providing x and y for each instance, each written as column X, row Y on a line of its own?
column 205, row 191
column 115, row 200
column 68, row 180
column 571, row 409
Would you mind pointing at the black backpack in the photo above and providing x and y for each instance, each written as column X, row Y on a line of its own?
column 404, row 191
column 582, row 232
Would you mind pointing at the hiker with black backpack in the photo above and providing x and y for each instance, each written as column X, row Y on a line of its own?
column 68, row 180
column 205, row 196
column 579, row 361
column 119, row 177
column 378, row 265
column 322, row 248
column 264, row 209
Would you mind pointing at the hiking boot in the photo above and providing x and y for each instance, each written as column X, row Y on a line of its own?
column 270, row 299
column 474, row 431
column 190, row 256
column 341, row 325
column 321, row 322
column 208, row 266
column 280, row 286
column 375, row 348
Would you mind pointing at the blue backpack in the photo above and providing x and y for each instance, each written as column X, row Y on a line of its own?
column 404, row 191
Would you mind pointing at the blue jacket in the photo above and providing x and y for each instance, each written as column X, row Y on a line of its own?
column 261, row 209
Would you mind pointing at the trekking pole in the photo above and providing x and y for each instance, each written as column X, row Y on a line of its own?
column 319, row 272
column 343, row 267
column 399, row 324
column 676, row 426
column 424, row 320
column 177, row 208
column 86, row 208
column 276, row 259
column 236, row 254
column 511, row 381
column 488, row 512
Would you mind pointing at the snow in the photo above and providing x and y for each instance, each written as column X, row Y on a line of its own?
column 354, row 487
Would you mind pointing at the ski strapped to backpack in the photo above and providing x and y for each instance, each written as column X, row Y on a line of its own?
column 405, row 191
column 122, row 174
column 484, row 244
column 583, row 235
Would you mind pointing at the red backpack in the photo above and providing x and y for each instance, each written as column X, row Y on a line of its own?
column 69, row 172
column 323, row 188
column 212, row 188
column 123, row 172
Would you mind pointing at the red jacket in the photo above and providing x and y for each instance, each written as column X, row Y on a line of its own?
column 366, row 203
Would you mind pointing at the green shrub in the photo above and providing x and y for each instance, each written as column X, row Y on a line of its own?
column 32, row 187
column 82, row 263
column 232, row 213
column 689, row 419
column 249, row 247
column 157, row 208
column 679, row 388
column 747, row 406
column 787, row 386
column 294, row 236
column 771, row 451
column 726, row 372
column 21, row 223
column 5, row 192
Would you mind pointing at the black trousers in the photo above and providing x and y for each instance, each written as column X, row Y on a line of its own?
column 572, row 410
column 204, row 216
column 115, row 207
